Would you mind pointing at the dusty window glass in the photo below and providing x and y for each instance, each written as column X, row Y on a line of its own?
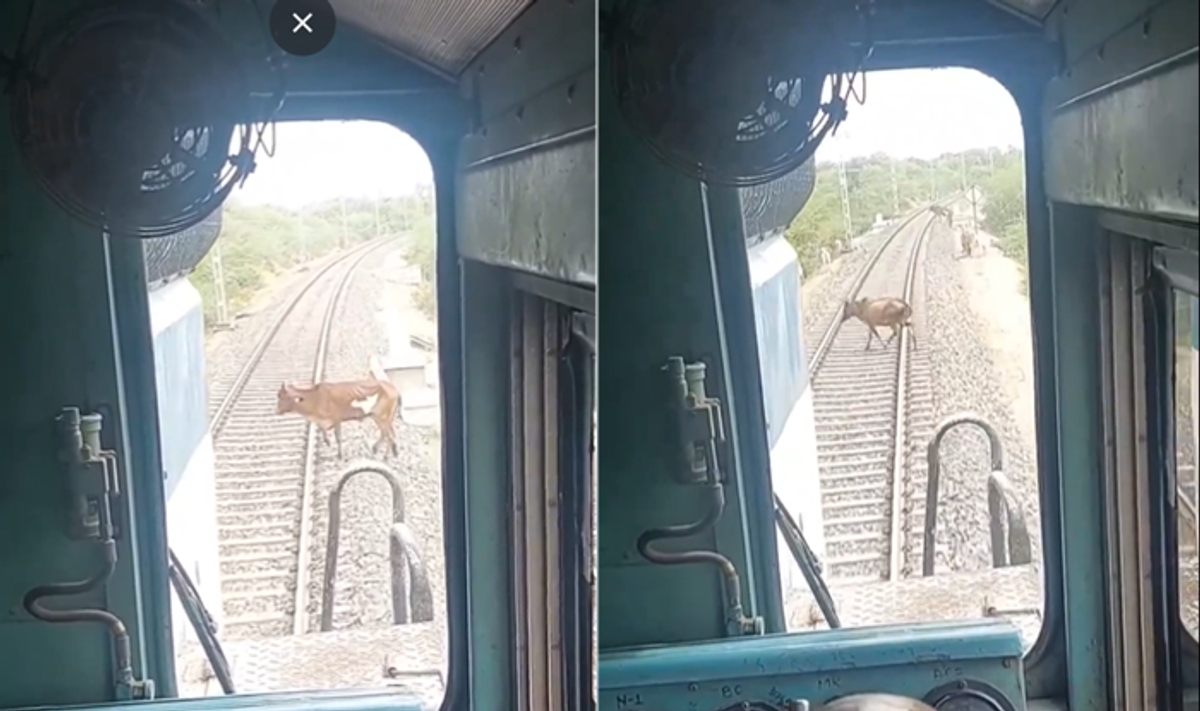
column 316, row 297
column 1187, row 378
column 889, row 288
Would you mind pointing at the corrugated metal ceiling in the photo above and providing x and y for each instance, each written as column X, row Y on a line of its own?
column 445, row 35
column 1033, row 9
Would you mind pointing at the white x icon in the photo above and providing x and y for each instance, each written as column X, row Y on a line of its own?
column 302, row 22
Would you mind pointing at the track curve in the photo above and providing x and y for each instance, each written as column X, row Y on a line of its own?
column 264, row 463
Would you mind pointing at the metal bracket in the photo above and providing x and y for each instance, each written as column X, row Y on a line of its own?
column 700, row 426
column 92, row 483
column 91, row 473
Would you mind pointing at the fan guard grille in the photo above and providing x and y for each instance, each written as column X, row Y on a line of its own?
column 125, row 116
column 768, row 208
column 725, row 90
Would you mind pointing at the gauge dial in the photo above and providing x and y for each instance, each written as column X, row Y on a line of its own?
column 968, row 696
column 966, row 701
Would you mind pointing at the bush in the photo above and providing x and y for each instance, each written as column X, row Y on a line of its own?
column 879, row 185
column 258, row 242
column 420, row 250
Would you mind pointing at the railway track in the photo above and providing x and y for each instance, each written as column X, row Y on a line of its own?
column 265, row 463
column 865, row 404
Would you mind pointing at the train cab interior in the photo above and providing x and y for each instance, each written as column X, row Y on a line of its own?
column 1106, row 93
column 505, row 97
column 98, row 163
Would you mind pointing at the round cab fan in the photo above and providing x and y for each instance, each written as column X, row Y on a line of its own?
column 730, row 92
column 125, row 116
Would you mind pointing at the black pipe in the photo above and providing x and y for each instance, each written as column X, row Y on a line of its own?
column 116, row 627
column 202, row 622
column 733, row 585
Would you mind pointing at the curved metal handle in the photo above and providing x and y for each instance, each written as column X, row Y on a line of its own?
column 405, row 560
column 1009, row 529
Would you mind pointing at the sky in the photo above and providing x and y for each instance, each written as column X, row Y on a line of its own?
column 918, row 113
column 922, row 113
column 320, row 160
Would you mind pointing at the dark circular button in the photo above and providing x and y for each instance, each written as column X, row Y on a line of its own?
column 302, row 27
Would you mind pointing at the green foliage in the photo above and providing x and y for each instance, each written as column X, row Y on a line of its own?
column 1004, row 196
column 260, row 241
column 880, row 185
column 420, row 251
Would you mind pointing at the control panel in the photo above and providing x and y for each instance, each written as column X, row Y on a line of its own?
column 967, row 666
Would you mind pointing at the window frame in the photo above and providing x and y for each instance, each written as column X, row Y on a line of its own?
column 551, row 380
column 1176, row 273
column 1172, row 268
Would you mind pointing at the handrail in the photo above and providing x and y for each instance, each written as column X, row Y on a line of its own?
column 402, row 552
column 1011, row 544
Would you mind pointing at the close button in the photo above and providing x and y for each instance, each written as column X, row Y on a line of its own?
column 302, row 27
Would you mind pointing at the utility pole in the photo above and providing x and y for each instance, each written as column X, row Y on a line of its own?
column 895, row 189
column 219, row 282
column 845, row 190
column 974, row 210
column 962, row 171
column 345, row 238
column 303, row 234
column 932, row 181
column 378, row 230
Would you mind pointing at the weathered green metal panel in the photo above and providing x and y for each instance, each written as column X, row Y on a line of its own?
column 528, row 165
column 658, row 299
column 1122, row 125
column 59, row 352
column 486, row 368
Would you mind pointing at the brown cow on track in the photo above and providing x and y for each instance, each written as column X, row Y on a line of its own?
column 328, row 405
column 889, row 311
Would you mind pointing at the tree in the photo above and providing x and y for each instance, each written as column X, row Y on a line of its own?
column 1004, row 200
column 881, row 185
column 260, row 241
